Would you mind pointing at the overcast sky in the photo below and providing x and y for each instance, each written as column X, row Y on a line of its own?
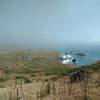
column 49, row 23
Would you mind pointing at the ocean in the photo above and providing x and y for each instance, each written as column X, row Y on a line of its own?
column 92, row 54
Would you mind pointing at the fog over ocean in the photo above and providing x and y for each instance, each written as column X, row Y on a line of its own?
column 52, row 24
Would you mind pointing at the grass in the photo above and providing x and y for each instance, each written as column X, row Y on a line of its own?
column 33, row 80
column 45, row 63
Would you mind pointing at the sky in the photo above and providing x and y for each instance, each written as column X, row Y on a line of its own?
column 49, row 23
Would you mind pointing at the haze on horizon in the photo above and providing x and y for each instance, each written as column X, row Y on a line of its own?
column 49, row 23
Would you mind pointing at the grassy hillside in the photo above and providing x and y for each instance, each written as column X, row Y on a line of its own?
column 45, row 78
column 45, row 63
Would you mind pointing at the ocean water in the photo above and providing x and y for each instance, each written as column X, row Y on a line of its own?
column 92, row 54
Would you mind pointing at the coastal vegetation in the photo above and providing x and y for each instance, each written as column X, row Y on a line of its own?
column 45, row 78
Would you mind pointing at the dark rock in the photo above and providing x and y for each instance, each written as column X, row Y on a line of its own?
column 80, row 54
column 74, row 60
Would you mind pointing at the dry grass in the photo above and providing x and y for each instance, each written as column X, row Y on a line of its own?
column 53, row 88
column 41, row 79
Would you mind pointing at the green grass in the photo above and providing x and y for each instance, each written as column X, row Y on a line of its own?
column 41, row 63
